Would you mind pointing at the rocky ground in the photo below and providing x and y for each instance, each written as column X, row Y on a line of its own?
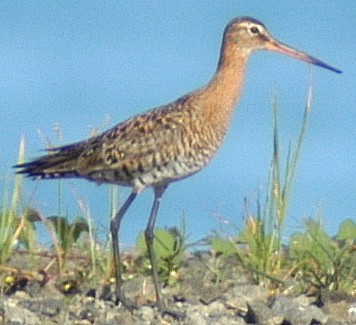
column 198, row 295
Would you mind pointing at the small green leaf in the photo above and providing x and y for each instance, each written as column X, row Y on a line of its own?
column 347, row 230
column 222, row 246
column 77, row 227
column 168, row 247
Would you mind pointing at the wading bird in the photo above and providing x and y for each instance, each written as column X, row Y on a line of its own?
column 168, row 143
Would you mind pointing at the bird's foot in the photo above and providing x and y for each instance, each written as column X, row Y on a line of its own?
column 164, row 310
column 161, row 307
column 125, row 302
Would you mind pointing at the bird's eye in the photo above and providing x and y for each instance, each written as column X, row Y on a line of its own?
column 254, row 30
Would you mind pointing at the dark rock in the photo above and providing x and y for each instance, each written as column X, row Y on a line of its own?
column 238, row 297
column 259, row 313
column 298, row 311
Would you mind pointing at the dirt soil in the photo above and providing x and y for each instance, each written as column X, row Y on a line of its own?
column 207, row 290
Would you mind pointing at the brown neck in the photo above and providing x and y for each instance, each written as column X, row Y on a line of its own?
column 221, row 94
column 227, row 81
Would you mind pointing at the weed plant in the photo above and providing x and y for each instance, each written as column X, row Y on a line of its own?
column 259, row 246
column 323, row 262
column 15, row 230
column 169, row 248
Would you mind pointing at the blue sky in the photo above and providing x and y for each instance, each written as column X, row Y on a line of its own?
column 90, row 64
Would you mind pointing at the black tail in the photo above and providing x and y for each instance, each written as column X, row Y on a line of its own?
column 62, row 163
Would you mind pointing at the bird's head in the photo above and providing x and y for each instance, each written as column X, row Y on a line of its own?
column 248, row 35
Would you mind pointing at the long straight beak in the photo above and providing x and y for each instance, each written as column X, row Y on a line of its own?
column 276, row 46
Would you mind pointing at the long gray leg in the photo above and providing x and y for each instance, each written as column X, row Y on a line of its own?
column 115, row 227
column 149, row 236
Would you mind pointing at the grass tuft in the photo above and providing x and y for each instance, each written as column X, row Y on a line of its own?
column 259, row 246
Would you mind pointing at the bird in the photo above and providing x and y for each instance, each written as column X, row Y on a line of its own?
column 165, row 144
